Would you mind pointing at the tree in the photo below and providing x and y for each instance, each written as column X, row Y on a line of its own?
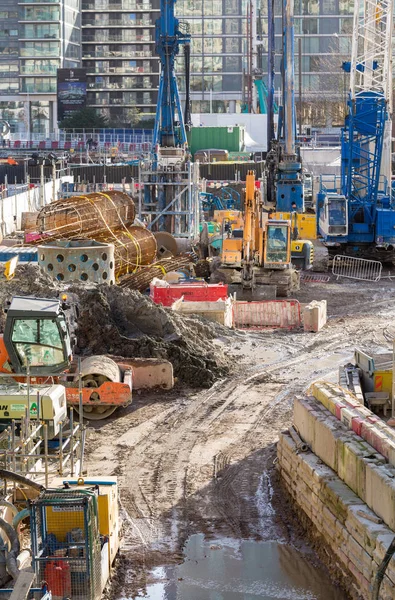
column 86, row 118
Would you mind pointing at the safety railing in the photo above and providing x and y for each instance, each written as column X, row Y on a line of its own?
column 27, row 449
column 352, row 267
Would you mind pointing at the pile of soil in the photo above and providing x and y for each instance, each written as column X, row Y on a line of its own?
column 123, row 322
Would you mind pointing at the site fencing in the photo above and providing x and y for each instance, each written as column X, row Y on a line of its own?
column 352, row 267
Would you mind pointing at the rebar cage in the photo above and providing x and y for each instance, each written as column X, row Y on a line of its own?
column 66, row 543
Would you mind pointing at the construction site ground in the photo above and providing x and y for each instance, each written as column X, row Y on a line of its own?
column 166, row 447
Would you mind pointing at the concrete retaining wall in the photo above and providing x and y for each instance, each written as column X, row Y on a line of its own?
column 357, row 539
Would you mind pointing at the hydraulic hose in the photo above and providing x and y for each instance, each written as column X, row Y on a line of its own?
column 382, row 569
column 4, row 474
column 10, row 506
column 12, row 554
column 20, row 516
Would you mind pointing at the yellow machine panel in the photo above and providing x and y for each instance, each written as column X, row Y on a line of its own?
column 306, row 224
column 234, row 217
column 232, row 251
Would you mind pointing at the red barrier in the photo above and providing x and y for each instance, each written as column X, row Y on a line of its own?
column 192, row 292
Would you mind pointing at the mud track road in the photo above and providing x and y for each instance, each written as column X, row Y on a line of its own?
column 167, row 448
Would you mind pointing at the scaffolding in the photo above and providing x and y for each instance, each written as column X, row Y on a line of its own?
column 169, row 198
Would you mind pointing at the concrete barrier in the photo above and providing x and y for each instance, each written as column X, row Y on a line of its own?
column 267, row 313
column 354, row 537
column 148, row 373
column 314, row 316
column 220, row 311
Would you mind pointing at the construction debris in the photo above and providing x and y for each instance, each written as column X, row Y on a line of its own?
column 123, row 322
column 141, row 279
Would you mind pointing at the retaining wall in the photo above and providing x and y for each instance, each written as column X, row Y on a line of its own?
column 345, row 486
column 355, row 537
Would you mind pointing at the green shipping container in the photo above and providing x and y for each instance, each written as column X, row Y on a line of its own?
column 220, row 138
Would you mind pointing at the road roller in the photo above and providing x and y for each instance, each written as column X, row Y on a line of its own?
column 38, row 342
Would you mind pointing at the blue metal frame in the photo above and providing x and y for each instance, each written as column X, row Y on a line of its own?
column 168, row 38
column 371, row 214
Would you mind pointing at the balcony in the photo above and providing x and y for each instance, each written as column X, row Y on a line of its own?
column 37, row 53
column 40, row 16
column 120, row 54
column 121, row 6
column 40, row 88
column 119, row 23
column 100, row 39
column 38, row 70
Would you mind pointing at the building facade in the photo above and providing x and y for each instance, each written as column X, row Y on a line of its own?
column 118, row 41
column 42, row 36
column 220, row 66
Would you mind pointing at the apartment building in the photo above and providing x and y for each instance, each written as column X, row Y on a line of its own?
column 118, row 41
column 36, row 38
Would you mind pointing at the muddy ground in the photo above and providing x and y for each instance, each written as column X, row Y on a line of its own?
column 165, row 448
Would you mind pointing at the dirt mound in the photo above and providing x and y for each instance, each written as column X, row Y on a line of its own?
column 126, row 323
column 123, row 322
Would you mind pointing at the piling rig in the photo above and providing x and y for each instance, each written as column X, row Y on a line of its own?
column 168, row 181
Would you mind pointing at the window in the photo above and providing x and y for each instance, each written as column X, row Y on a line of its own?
column 276, row 246
column 232, row 7
column 38, row 342
column 309, row 26
column 232, row 45
column 232, row 26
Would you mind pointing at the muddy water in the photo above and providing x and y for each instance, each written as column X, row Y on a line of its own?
column 228, row 569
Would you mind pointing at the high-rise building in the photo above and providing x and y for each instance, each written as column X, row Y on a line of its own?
column 118, row 39
column 218, row 29
column 41, row 37
column 219, row 65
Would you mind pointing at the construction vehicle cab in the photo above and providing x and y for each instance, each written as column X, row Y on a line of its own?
column 333, row 215
column 277, row 246
column 38, row 342
column 37, row 334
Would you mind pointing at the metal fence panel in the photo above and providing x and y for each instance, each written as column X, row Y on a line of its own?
column 284, row 314
column 356, row 268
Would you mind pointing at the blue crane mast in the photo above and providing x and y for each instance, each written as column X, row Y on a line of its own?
column 168, row 197
column 283, row 164
column 170, row 123
column 356, row 214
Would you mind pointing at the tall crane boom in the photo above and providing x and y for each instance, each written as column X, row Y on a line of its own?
column 371, row 53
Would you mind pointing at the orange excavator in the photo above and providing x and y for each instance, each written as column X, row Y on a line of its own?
column 37, row 345
column 260, row 253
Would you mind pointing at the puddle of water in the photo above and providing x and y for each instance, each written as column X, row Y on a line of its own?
column 228, row 569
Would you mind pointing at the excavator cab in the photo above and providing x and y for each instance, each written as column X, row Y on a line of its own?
column 277, row 246
column 37, row 334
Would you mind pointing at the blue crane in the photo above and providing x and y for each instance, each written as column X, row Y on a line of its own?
column 357, row 212
column 170, row 123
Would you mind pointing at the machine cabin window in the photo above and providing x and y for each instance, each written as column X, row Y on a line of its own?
column 276, row 244
column 337, row 212
column 38, row 342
